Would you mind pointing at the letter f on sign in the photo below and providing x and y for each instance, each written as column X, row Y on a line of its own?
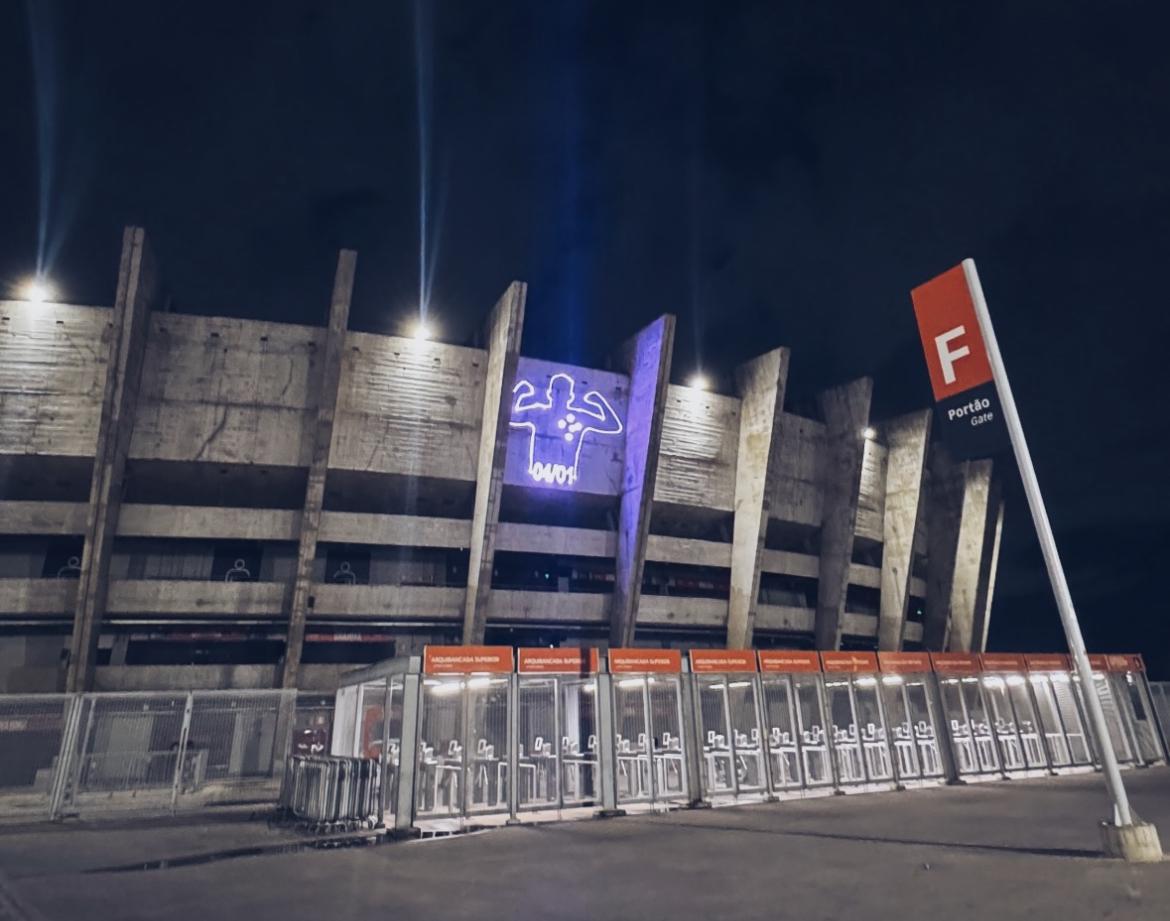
column 946, row 356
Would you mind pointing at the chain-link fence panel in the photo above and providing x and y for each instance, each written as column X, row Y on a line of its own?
column 32, row 728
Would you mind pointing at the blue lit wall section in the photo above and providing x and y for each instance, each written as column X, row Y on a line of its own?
column 566, row 428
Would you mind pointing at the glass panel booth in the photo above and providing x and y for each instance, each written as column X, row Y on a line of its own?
column 482, row 734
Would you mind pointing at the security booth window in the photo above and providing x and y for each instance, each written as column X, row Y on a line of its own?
column 557, row 727
column 857, row 723
column 648, row 742
column 733, row 761
column 910, row 714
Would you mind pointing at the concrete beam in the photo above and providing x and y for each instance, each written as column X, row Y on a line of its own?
column 988, row 564
column 136, row 295
column 646, row 358
column 957, row 513
column 322, row 441
column 761, row 385
column 906, row 439
column 846, row 412
column 505, row 326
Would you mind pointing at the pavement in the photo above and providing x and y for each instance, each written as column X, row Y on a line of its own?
column 1006, row 850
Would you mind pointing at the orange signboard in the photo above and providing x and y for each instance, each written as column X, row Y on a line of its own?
column 849, row 661
column 955, row 354
column 624, row 661
column 788, row 660
column 466, row 660
column 1116, row 662
column 1002, row 662
column 722, row 660
column 906, row 663
column 567, row 661
column 956, row 663
column 1046, row 662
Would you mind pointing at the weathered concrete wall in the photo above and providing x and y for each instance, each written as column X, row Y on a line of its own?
column 696, row 464
column 798, row 489
column 907, row 437
column 42, row 517
column 505, row 328
column 409, row 407
column 136, row 297
column 320, row 442
column 647, row 358
column 871, row 499
column 761, row 386
column 53, row 360
column 227, row 391
column 988, row 565
column 957, row 496
column 846, row 411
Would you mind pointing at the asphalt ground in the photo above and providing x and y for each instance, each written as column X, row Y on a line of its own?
column 1014, row 849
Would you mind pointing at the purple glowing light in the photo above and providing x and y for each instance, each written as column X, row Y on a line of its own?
column 558, row 425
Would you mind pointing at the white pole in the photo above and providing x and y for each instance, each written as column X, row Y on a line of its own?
column 1068, row 615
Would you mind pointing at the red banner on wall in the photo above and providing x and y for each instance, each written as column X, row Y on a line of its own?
column 1046, row 662
column 1002, row 662
column 788, row 660
column 956, row 663
column 722, row 660
column 849, row 662
column 624, row 661
column 904, row 663
column 466, row 660
column 566, row 661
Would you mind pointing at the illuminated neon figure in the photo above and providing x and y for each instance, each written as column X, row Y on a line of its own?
column 562, row 422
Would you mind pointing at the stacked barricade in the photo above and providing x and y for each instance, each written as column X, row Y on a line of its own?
column 328, row 790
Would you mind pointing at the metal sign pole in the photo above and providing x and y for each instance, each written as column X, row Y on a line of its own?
column 1122, row 815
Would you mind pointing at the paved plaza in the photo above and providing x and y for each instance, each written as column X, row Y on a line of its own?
column 1016, row 849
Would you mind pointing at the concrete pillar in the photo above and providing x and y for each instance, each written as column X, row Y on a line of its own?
column 906, row 441
column 647, row 359
column 846, row 412
column 957, row 499
column 988, row 563
column 302, row 598
column 504, row 329
column 136, row 296
column 761, row 384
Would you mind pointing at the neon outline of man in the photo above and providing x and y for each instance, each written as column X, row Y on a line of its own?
column 568, row 413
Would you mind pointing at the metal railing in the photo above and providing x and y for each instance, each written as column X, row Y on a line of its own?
column 92, row 754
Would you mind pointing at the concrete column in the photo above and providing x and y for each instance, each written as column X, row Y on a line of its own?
column 993, row 530
column 647, row 359
column 302, row 598
column 906, row 440
column 505, row 326
column 957, row 499
column 136, row 296
column 761, row 384
column 846, row 412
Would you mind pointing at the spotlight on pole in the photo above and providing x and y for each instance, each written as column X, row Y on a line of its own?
column 36, row 291
column 421, row 332
column 699, row 381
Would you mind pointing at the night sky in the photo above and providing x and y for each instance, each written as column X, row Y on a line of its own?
column 773, row 173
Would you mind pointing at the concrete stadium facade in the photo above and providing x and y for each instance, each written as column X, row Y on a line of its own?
column 191, row 501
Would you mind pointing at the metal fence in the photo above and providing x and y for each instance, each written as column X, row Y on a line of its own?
column 1160, row 696
column 89, row 754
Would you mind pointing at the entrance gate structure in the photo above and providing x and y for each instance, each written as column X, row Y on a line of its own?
column 912, row 716
column 734, row 760
column 477, row 735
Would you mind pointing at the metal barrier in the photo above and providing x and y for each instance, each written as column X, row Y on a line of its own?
column 331, row 789
column 92, row 754
column 1160, row 698
column 32, row 728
